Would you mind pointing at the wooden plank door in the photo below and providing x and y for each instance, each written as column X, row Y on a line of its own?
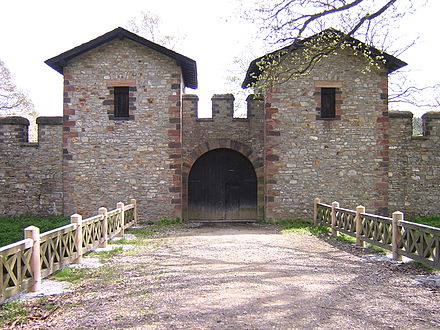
column 222, row 185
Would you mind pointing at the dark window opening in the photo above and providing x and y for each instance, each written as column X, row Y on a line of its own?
column 328, row 103
column 121, row 102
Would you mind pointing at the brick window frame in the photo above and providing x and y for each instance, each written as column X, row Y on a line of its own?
column 110, row 98
column 321, row 87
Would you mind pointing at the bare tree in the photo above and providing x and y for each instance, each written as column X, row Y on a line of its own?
column 12, row 99
column 14, row 102
column 289, row 25
column 289, row 20
column 149, row 25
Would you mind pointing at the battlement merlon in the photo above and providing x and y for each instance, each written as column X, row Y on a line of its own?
column 222, row 106
column 431, row 124
column 402, row 123
column 14, row 130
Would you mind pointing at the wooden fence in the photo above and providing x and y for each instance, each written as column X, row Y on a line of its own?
column 415, row 241
column 26, row 262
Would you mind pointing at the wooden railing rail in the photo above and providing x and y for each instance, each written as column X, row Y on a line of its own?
column 415, row 241
column 26, row 262
column 57, row 248
column 15, row 261
column 419, row 242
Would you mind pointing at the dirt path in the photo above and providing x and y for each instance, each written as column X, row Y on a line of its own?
column 247, row 277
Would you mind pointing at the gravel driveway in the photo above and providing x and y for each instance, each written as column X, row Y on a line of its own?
column 247, row 277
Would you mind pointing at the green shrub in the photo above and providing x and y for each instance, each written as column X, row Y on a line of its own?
column 430, row 221
column 12, row 229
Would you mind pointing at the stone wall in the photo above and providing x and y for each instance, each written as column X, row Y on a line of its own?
column 244, row 135
column 31, row 173
column 108, row 160
column 414, row 170
column 89, row 159
column 344, row 159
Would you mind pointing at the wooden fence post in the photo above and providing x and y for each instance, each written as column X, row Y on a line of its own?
column 334, row 206
column 103, row 212
column 397, row 216
column 135, row 215
column 77, row 219
column 34, row 233
column 315, row 211
column 120, row 206
column 358, row 220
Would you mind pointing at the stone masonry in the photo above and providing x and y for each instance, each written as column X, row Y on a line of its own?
column 343, row 159
column 31, row 173
column 414, row 171
column 107, row 160
column 244, row 135
column 89, row 158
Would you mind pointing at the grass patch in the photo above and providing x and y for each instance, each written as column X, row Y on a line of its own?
column 12, row 312
column 345, row 238
column 430, row 221
column 423, row 267
column 106, row 255
column 378, row 249
column 166, row 222
column 72, row 275
column 151, row 229
column 18, row 312
column 122, row 240
column 11, row 229
column 300, row 226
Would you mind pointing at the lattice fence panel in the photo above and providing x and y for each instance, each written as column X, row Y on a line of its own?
column 345, row 221
column 324, row 214
column 92, row 232
column 129, row 216
column 16, row 272
column 377, row 230
column 57, row 248
column 114, row 223
column 420, row 242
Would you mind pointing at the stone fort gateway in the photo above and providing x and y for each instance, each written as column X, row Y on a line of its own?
column 129, row 131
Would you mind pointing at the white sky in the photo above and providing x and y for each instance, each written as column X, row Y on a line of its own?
column 34, row 31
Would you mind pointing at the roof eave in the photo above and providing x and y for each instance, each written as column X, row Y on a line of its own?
column 392, row 63
column 188, row 65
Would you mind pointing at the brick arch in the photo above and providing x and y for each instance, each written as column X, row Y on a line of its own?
column 242, row 148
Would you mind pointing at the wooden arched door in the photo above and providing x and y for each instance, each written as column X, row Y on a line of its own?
column 222, row 185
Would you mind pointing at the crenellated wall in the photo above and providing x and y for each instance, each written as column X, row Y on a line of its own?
column 245, row 135
column 414, row 171
column 31, row 173
column 362, row 155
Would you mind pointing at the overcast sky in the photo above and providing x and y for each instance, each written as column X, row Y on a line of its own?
column 34, row 31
